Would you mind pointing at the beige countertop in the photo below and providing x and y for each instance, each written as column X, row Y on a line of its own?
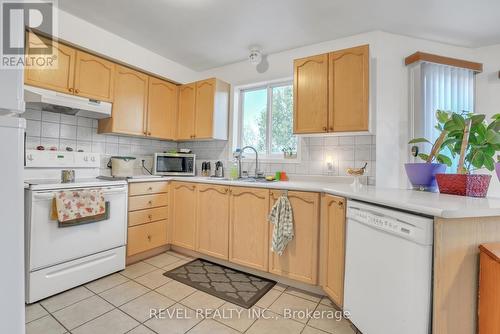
column 425, row 203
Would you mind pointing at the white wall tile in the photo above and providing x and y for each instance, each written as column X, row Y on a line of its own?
column 112, row 149
column 32, row 142
column 33, row 128
column 363, row 152
column 84, row 121
column 347, row 140
column 49, row 142
column 65, row 143
column 86, row 146
column 51, row 117
column 32, row 114
column 50, row 130
column 84, row 133
column 68, row 131
column 68, row 119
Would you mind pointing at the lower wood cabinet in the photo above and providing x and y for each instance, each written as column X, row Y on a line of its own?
column 147, row 236
column 248, row 227
column 183, row 214
column 212, row 221
column 489, row 289
column 299, row 261
column 333, row 226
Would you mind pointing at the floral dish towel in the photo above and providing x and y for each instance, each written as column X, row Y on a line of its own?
column 77, row 204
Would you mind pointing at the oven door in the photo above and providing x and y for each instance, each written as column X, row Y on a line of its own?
column 173, row 165
column 50, row 245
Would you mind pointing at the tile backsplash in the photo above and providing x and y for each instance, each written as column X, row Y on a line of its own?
column 59, row 130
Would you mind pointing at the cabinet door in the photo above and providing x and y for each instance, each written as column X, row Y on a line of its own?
column 348, row 85
column 129, row 105
column 162, row 109
column 248, row 227
column 185, row 129
column 183, row 214
column 145, row 237
column 212, row 221
column 310, row 94
column 94, row 77
column 333, row 246
column 205, row 94
column 58, row 77
column 299, row 261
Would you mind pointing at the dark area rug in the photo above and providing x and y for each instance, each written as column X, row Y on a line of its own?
column 225, row 283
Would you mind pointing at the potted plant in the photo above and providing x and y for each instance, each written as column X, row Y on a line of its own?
column 476, row 142
column 288, row 152
column 422, row 174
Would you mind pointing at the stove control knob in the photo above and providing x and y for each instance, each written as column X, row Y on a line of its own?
column 92, row 159
column 85, row 158
column 30, row 157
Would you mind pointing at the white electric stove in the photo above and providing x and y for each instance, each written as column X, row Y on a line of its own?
column 60, row 258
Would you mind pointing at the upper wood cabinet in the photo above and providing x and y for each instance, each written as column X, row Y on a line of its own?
column 59, row 77
column 348, row 89
column 212, row 221
column 94, row 77
column 76, row 72
column 333, row 226
column 186, row 115
column 162, row 109
column 331, row 92
column 299, row 261
column 183, row 214
column 248, row 227
column 310, row 94
column 128, row 115
column 204, row 110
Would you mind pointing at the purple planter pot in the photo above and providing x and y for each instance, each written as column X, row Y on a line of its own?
column 497, row 169
column 422, row 175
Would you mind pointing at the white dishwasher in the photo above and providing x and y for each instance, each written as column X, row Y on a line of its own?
column 388, row 270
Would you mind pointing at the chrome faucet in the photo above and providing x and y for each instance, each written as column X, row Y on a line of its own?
column 239, row 154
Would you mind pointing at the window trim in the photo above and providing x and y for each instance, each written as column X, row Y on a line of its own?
column 249, row 156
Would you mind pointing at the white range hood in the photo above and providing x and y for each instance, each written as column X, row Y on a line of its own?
column 49, row 100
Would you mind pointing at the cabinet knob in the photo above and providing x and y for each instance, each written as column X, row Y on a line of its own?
column 70, row 89
column 149, row 133
column 77, row 91
column 324, row 128
column 149, row 237
column 331, row 128
column 150, row 202
column 226, row 190
column 150, row 216
column 150, row 188
column 145, row 133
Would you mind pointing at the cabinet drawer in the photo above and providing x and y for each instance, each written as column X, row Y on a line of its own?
column 146, row 188
column 147, row 216
column 147, row 201
column 145, row 237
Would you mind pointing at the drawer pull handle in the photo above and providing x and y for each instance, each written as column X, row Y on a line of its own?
column 150, row 188
column 150, row 216
column 150, row 202
column 149, row 237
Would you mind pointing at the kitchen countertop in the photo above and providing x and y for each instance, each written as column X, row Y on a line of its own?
column 425, row 203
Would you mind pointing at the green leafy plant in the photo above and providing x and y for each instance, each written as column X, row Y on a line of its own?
column 439, row 144
column 473, row 139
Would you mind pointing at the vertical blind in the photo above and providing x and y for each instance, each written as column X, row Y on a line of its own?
column 447, row 88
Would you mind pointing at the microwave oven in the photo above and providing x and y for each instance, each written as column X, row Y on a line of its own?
column 174, row 164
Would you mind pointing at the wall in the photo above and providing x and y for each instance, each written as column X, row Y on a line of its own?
column 61, row 131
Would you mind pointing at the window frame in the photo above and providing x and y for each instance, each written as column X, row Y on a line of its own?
column 268, row 156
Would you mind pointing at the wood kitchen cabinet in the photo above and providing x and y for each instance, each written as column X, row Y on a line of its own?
column 162, row 109
column 77, row 72
column 331, row 92
column 299, row 261
column 128, row 115
column 333, row 228
column 248, row 227
column 204, row 110
column 212, row 221
column 489, row 289
column 183, row 214
column 147, row 217
column 310, row 94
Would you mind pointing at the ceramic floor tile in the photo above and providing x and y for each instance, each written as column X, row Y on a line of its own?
column 141, row 330
column 280, row 287
column 114, row 322
column 175, row 290
column 311, row 330
column 142, row 307
column 137, row 269
column 326, row 301
column 202, row 300
column 45, row 325
column 268, row 298
column 303, row 294
column 180, row 256
column 83, row 311
column 237, row 317
column 154, row 279
column 34, row 311
column 209, row 326
column 287, row 303
column 328, row 323
column 175, row 265
column 66, row 298
column 123, row 293
column 162, row 260
column 178, row 319
column 274, row 324
column 106, row 283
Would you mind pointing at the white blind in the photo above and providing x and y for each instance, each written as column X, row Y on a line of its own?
column 446, row 88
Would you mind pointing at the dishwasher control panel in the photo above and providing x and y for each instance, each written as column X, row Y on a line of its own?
column 381, row 222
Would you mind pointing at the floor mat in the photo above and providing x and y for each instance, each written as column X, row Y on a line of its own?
column 225, row 283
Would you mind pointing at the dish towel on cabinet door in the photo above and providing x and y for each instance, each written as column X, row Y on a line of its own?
column 74, row 205
column 281, row 217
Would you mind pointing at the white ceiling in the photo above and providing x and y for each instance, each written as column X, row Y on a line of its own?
column 203, row 34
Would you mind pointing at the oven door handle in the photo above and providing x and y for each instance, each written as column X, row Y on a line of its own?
column 107, row 191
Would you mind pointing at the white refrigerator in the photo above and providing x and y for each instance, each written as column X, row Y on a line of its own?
column 12, row 224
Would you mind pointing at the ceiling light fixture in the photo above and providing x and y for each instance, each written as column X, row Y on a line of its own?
column 255, row 56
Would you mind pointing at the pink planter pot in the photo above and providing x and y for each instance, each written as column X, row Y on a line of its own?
column 473, row 185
